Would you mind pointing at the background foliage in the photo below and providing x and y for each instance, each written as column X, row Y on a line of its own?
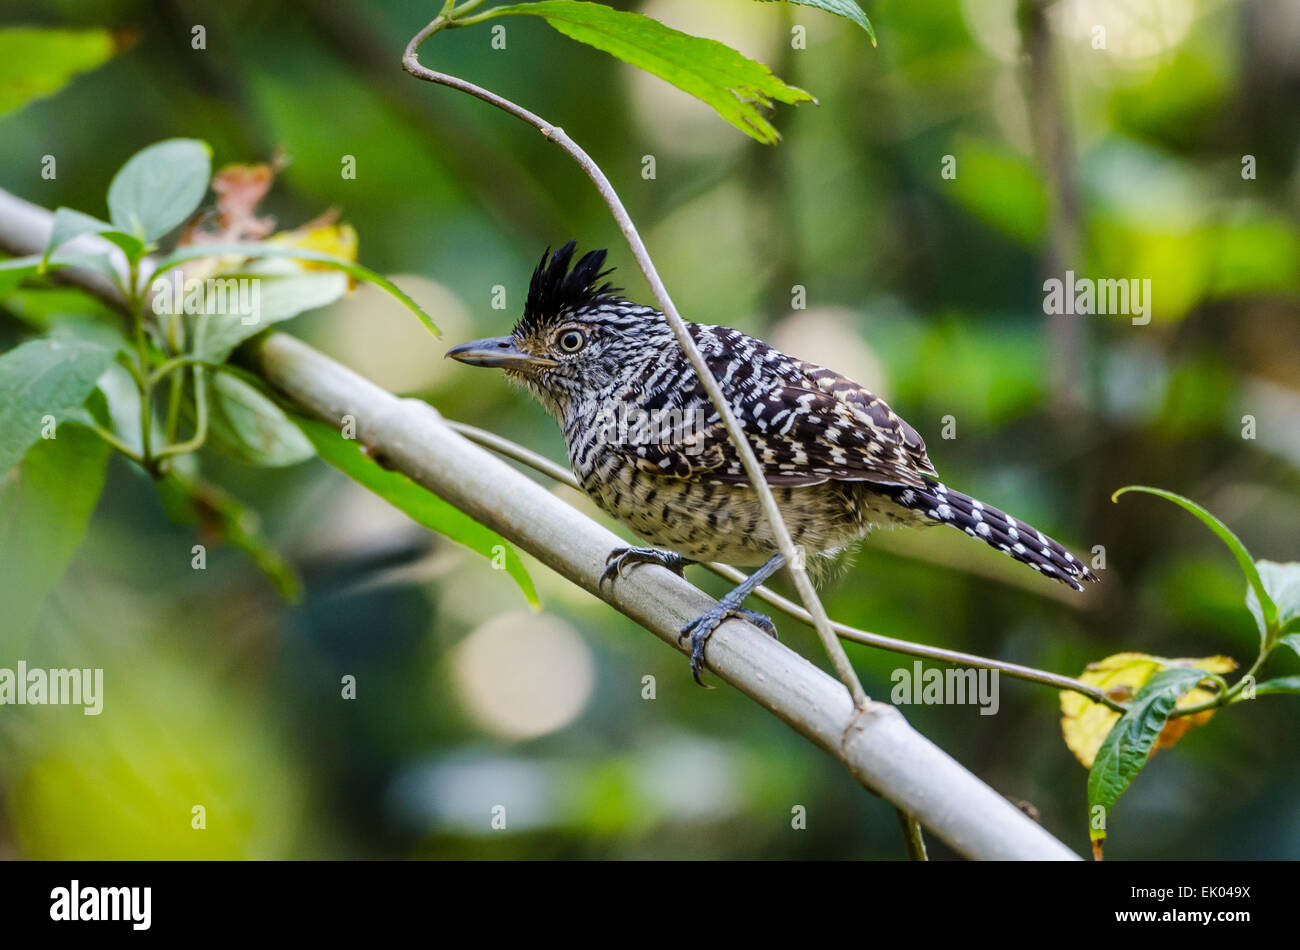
column 925, row 289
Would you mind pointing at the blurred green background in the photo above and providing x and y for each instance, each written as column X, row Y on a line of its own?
column 928, row 290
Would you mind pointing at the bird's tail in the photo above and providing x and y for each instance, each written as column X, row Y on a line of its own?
column 998, row 529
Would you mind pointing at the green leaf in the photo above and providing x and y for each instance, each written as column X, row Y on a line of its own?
column 1283, row 684
column 100, row 263
column 1268, row 615
column 1127, row 746
column 845, row 8
column 16, row 270
column 45, row 505
column 189, row 499
column 736, row 87
column 159, row 187
column 87, row 329
column 251, row 427
column 69, row 224
column 42, row 305
column 278, row 299
column 36, row 62
column 257, row 251
column 42, row 378
column 1292, row 641
column 1282, row 581
column 418, row 503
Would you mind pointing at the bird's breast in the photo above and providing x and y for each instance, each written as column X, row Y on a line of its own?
column 707, row 520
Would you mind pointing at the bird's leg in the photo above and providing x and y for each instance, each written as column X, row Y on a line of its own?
column 621, row 558
column 702, row 626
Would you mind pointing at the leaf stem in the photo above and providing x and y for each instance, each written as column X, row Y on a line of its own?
column 200, row 420
column 177, row 362
column 142, row 381
column 913, row 837
column 177, row 383
column 1268, row 609
column 470, row 21
column 1226, row 695
column 453, row 14
column 117, row 443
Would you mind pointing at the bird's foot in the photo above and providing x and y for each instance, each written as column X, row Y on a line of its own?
column 622, row 558
column 701, row 628
column 762, row 621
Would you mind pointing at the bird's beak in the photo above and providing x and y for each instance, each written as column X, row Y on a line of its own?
column 498, row 351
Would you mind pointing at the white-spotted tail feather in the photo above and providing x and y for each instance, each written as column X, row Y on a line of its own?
column 1000, row 530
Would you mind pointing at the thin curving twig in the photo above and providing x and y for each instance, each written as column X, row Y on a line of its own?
column 545, row 466
column 785, row 543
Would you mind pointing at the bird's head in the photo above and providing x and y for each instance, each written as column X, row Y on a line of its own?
column 577, row 336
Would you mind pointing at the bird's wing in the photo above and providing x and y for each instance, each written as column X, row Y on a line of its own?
column 807, row 424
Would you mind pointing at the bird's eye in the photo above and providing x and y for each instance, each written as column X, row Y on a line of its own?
column 571, row 341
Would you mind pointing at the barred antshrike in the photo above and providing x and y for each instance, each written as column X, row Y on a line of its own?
column 837, row 457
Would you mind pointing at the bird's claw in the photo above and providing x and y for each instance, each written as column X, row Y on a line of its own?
column 701, row 628
column 762, row 621
column 622, row 558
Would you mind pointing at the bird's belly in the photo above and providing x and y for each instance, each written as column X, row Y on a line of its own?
column 710, row 521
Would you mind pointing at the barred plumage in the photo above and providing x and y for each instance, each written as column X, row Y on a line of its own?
column 839, row 460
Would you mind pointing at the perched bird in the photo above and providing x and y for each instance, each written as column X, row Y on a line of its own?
column 649, row 447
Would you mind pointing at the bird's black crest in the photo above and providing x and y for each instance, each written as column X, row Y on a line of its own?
column 555, row 288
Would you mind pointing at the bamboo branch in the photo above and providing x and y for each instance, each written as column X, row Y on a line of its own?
column 874, row 743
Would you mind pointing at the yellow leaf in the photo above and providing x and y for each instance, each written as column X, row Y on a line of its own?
column 1084, row 724
column 339, row 240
